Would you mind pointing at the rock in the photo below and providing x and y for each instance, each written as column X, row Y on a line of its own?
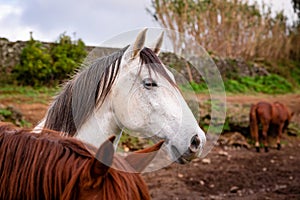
column 206, row 161
column 126, row 149
column 180, row 175
column 264, row 169
column 279, row 187
column 223, row 153
column 195, row 164
column 234, row 189
column 233, row 139
column 293, row 129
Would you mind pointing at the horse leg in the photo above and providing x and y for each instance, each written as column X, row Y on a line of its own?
column 254, row 126
column 280, row 129
column 256, row 138
column 257, row 143
column 265, row 136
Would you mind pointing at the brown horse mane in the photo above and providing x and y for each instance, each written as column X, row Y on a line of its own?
column 49, row 166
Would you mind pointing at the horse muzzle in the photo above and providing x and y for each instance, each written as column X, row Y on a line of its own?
column 193, row 151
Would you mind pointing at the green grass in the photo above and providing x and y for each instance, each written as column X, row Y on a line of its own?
column 133, row 143
column 33, row 94
column 196, row 87
column 271, row 84
column 8, row 115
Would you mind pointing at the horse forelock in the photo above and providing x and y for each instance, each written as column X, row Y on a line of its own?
column 49, row 166
column 150, row 60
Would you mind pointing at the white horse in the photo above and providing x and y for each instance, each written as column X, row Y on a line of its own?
column 129, row 89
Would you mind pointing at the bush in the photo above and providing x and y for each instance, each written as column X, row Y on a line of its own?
column 66, row 56
column 34, row 67
column 47, row 66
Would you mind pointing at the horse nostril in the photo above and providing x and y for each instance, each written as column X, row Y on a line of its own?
column 195, row 143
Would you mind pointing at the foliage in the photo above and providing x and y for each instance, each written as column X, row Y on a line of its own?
column 229, row 28
column 129, row 142
column 271, row 84
column 295, row 71
column 34, row 67
column 296, row 6
column 8, row 114
column 40, row 65
column 193, row 86
column 5, row 112
column 66, row 55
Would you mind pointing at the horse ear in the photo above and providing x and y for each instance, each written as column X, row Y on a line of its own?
column 103, row 158
column 139, row 43
column 156, row 48
column 139, row 160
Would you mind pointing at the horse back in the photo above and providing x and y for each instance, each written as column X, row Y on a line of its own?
column 283, row 111
column 264, row 112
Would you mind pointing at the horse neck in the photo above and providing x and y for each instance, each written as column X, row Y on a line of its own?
column 99, row 125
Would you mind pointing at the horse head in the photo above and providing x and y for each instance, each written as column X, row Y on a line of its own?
column 146, row 99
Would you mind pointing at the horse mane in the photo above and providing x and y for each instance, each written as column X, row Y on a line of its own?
column 49, row 166
column 91, row 86
column 150, row 60
column 86, row 85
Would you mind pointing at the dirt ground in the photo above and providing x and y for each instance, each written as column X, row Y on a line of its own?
column 226, row 172
column 232, row 173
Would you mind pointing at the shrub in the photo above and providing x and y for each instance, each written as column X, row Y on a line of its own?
column 47, row 66
column 66, row 56
column 34, row 67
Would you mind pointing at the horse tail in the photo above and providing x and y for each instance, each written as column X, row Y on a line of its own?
column 253, row 122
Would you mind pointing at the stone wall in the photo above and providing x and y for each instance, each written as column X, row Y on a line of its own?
column 9, row 54
column 10, row 57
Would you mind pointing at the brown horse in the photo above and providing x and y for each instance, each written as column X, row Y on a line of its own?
column 275, row 114
column 48, row 166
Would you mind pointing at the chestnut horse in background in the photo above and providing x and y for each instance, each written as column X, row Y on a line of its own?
column 49, row 166
column 267, row 114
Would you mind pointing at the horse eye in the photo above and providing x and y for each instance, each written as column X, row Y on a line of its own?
column 149, row 83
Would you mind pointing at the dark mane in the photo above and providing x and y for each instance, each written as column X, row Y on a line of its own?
column 49, row 166
column 150, row 60
column 89, row 88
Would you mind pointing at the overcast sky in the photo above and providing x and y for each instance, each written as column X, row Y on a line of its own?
column 93, row 20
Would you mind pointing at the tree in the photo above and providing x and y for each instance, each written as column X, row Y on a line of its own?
column 44, row 65
column 228, row 28
column 35, row 64
column 296, row 6
column 67, row 56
